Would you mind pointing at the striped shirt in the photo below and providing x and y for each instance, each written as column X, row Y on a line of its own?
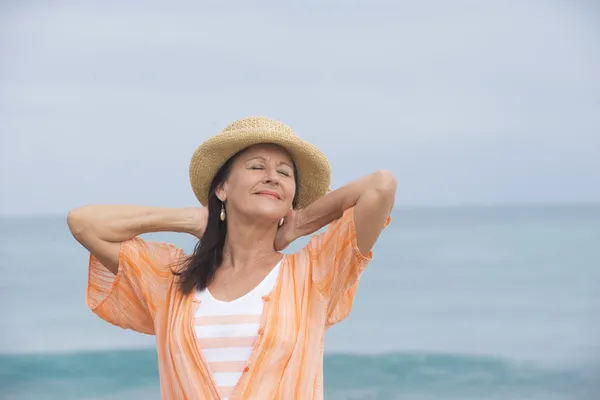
column 315, row 289
column 227, row 331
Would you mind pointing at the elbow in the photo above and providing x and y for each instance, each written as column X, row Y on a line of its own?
column 385, row 183
column 384, row 188
column 76, row 223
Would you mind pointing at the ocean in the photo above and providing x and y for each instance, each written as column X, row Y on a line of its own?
column 458, row 303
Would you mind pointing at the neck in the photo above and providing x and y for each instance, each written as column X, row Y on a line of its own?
column 248, row 243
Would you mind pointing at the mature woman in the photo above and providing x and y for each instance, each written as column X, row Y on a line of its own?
column 237, row 319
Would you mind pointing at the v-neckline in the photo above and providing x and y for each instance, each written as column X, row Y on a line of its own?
column 276, row 269
column 192, row 305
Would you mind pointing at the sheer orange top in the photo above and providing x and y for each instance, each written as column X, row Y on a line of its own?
column 315, row 289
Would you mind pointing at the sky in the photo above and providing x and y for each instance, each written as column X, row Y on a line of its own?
column 466, row 102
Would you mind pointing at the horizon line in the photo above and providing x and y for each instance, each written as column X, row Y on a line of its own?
column 590, row 203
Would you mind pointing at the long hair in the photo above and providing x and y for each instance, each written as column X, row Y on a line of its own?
column 198, row 270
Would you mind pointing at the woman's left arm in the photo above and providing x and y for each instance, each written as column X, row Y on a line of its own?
column 372, row 197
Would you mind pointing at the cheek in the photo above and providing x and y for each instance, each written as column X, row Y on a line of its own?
column 241, row 182
column 290, row 192
column 234, row 188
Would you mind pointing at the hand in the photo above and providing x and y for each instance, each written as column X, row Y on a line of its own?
column 287, row 232
column 197, row 217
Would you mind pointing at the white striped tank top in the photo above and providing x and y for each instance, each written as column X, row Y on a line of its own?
column 227, row 331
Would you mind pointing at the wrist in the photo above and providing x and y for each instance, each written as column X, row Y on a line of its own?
column 193, row 220
column 303, row 225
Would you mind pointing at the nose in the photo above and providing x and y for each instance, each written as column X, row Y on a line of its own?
column 271, row 176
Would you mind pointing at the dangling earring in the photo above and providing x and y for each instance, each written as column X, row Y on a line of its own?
column 223, row 211
column 281, row 221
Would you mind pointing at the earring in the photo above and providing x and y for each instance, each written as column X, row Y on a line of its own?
column 281, row 221
column 223, row 211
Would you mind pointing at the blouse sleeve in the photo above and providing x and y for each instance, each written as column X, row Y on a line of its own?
column 337, row 264
column 130, row 298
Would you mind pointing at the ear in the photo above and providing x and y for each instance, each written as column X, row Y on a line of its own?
column 220, row 192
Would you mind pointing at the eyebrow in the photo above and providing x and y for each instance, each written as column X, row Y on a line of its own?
column 264, row 159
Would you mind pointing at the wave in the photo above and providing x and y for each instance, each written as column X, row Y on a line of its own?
column 130, row 374
column 456, row 376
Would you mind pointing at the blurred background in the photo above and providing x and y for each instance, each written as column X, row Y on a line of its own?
column 485, row 286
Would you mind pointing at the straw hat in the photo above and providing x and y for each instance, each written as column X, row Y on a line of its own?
column 314, row 172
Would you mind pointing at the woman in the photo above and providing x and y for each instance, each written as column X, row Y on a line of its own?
column 238, row 319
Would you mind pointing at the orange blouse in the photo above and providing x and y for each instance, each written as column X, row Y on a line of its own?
column 314, row 290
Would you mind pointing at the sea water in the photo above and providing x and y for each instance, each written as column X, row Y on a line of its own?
column 458, row 303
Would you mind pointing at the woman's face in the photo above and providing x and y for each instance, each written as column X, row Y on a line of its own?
column 261, row 183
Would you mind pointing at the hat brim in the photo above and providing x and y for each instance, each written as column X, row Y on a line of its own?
column 313, row 169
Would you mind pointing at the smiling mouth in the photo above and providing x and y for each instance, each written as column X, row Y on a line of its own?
column 271, row 195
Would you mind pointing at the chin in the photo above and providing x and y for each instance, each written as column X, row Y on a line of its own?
column 267, row 208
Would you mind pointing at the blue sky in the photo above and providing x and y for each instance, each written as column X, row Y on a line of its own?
column 465, row 101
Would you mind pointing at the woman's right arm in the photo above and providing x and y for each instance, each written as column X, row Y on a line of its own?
column 102, row 228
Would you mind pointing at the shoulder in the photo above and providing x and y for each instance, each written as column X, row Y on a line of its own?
column 155, row 255
column 337, row 232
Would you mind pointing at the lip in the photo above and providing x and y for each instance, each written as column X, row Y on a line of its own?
column 269, row 194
